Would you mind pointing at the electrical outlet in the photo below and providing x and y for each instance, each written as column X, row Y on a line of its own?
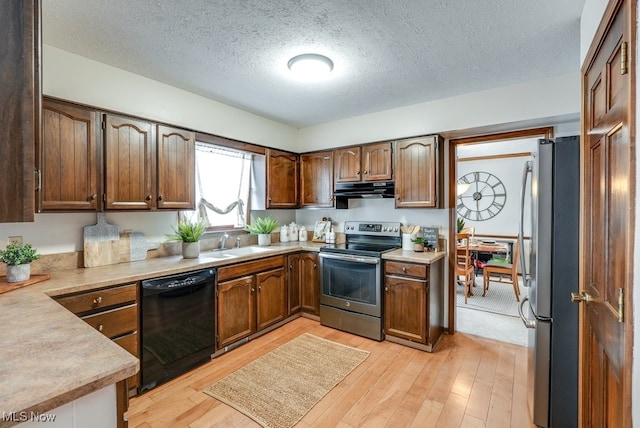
column 14, row 240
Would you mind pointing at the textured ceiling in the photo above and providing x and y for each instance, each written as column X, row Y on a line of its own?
column 387, row 53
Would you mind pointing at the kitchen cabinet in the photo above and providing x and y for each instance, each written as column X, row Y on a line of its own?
column 370, row 162
column 113, row 311
column 282, row 179
column 20, row 89
column 250, row 297
column 68, row 161
column 413, row 303
column 304, row 283
column 144, row 174
column 419, row 164
column 316, row 180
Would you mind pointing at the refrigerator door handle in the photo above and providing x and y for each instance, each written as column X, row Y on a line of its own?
column 528, row 168
column 526, row 321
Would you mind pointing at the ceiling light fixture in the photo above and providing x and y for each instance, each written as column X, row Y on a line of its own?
column 310, row 66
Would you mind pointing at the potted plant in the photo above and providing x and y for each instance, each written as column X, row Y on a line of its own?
column 418, row 243
column 263, row 228
column 460, row 224
column 189, row 233
column 18, row 258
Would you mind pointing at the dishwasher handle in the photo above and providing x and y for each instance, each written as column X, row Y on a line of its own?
column 175, row 282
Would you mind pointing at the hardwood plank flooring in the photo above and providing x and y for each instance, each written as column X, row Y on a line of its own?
column 468, row 382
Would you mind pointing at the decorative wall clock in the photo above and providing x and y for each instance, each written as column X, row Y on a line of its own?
column 484, row 198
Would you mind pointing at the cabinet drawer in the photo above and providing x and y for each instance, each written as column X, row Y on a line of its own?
column 99, row 299
column 130, row 343
column 248, row 268
column 115, row 322
column 401, row 268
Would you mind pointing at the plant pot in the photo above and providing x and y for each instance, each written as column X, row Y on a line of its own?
column 264, row 239
column 18, row 273
column 190, row 250
column 418, row 248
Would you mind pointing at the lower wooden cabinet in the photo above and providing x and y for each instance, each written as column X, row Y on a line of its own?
column 113, row 311
column 304, row 283
column 250, row 297
column 413, row 302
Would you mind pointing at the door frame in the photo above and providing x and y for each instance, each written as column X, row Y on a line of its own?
column 542, row 132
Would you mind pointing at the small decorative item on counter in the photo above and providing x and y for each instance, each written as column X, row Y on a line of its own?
column 189, row 233
column 418, row 244
column 284, row 234
column 330, row 237
column 302, row 234
column 263, row 228
column 18, row 258
column 293, row 231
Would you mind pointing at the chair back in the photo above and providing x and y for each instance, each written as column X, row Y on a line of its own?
column 463, row 254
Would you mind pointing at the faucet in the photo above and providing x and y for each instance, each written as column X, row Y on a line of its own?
column 238, row 242
column 223, row 240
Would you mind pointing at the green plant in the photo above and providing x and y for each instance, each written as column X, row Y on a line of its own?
column 419, row 240
column 187, row 231
column 18, row 254
column 460, row 224
column 262, row 225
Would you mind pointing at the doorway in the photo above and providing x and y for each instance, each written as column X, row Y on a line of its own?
column 485, row 181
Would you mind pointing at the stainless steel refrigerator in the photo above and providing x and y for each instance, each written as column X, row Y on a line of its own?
column 550, row 277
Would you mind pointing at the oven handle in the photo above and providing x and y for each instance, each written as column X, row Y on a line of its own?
column 351, row 258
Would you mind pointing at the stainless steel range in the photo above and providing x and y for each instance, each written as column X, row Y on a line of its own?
column 351, row 278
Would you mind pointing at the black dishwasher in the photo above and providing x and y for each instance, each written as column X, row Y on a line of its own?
column 177, row 325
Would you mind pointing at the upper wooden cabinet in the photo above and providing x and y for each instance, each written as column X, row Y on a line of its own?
column 282, row 179
column 19, row 107
column 142, row 174
column 68, row 161
column 316, row 180
column 419, row 164
column 370, row 162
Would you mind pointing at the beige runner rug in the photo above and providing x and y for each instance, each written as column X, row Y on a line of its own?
column 279, row 388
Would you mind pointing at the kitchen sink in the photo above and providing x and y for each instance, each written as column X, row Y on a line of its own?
column 236, row 252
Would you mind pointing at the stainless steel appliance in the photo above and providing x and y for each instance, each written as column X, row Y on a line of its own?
column 177, row 325
column 351, row 278
column 372, row 189
column 553, row 263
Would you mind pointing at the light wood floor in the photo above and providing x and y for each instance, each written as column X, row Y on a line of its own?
column 467, row 382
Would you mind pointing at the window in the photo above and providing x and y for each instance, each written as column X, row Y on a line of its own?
column 222, row 186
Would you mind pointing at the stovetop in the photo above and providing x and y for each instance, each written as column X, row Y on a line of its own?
column 367, row 238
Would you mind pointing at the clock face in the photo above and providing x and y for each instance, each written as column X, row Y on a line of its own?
column 484, row 198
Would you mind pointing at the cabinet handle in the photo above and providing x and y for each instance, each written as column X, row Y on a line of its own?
column 366, row 172
column 97, row 300
column 259, row 287
column 398, row 197
column 253, row 289
column 93, row 197
column 404, row 269
column 358, row 172
column 386, row 289
column 100, row 328
column 148, row 198
column 160, row 197
column 290, row 267
column 315, row 265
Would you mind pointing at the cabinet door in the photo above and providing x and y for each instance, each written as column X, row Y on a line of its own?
column 129, row 149
column 68, row 164
column 347, row 164
column 418, row 165
column 271, row 300
column 282, row 179
column 405, row 308
column 310, row 282
column 235, row 310
column 293, row 283
column 176, row 168
column 316, row 180
column 376, row 162
column 19, row 107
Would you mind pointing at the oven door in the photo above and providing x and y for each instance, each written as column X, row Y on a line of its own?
column 351, row 283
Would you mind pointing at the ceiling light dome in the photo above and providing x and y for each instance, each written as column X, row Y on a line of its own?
column 310, row 66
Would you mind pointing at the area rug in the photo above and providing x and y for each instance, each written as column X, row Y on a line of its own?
column 279, row 388
column 500, row 298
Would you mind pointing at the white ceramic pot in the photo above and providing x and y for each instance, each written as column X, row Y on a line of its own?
column 264, row 239
column 18, row 273
column 190, row 250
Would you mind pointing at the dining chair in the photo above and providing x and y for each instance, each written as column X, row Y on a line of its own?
column 464, row 264
column 508, row 273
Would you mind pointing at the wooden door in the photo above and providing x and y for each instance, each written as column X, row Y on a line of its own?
column 310, row 282
column 271, row 300
column 129, row 149
column 293, row 283
column 347, row 165
column 405, row 308
column 282, row 179
column 69, row 165
column 235, row 310
column 316, row 180
column 607, row 235
column 376, row 162
column 419, row 162
column 176, row 168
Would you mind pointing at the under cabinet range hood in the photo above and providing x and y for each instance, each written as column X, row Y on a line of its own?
column 375, row 189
